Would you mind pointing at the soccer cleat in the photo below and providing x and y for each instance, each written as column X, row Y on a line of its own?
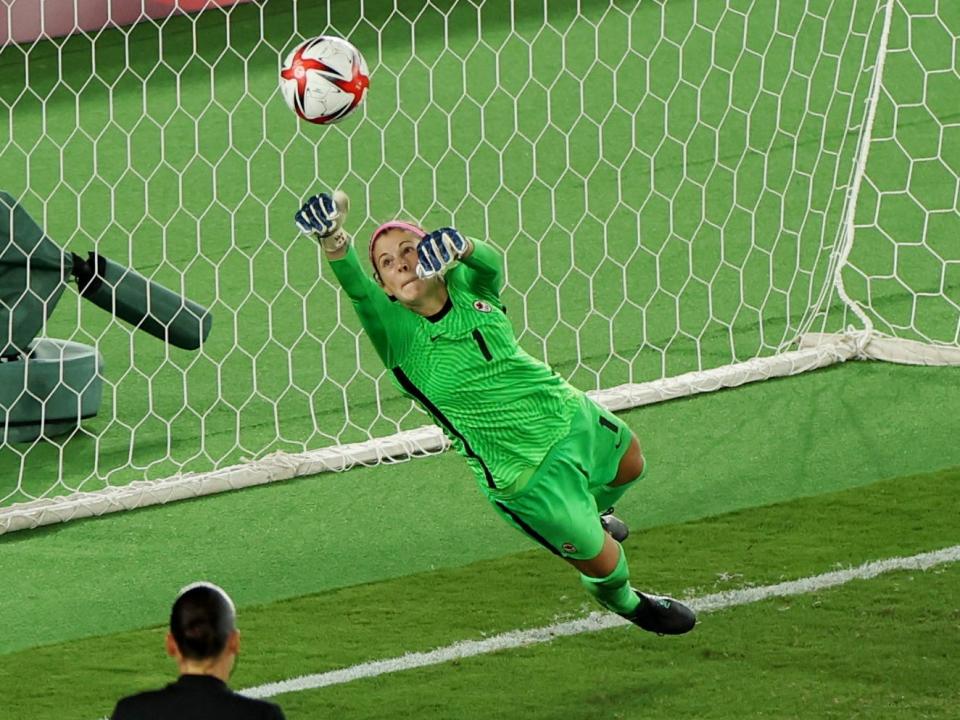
column 615, row 526
column 662, row 615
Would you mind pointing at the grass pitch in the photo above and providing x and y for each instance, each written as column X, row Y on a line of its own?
column 880, row 648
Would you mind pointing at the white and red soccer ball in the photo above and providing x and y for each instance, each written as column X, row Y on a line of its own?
column 324, row 79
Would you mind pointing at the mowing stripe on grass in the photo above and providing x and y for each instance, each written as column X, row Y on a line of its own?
column 600, row 621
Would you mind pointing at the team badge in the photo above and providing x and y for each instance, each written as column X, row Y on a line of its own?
column 482, row 306
column 569, row 548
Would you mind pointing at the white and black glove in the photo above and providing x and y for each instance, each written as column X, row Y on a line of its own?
column 322, row 217
column 440, row 250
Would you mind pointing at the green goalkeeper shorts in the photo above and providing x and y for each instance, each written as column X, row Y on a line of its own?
column 555, row 503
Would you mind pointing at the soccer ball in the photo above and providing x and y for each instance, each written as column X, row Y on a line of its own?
column 324, row 79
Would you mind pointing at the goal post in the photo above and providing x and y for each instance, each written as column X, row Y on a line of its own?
column 929, row 334
column 688, row 197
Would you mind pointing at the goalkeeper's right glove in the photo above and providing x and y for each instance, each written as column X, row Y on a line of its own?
column 322, row 217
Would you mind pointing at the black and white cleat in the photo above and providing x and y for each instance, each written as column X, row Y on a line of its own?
column 662, row 615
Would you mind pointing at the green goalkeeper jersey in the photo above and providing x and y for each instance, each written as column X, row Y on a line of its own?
column 500, row 407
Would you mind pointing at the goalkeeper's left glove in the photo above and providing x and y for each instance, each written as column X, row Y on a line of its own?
column 440, row 250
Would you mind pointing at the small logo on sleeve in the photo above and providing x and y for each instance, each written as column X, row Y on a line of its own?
column 569, row 548
column 482, row 306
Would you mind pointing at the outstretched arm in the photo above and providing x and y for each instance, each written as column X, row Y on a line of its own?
column 322, row 217
column 371, row 304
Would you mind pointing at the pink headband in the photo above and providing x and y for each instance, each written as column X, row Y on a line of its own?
column 387, row 227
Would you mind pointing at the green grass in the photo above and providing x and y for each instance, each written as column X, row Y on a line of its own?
column 878, row 647
column 664, row 204
column 829, row 655
column 844, row 427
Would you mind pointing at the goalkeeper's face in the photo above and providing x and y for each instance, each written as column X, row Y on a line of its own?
column 395, row 256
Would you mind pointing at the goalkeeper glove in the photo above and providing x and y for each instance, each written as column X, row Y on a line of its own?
column 322, row 217
column 439, row 250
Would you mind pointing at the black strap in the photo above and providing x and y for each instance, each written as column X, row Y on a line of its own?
column 527, row 529
column 407, row 384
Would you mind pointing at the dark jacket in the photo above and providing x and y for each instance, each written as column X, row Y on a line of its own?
column 194, row 697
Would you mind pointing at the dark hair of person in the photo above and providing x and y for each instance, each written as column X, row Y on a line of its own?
column 201, row 621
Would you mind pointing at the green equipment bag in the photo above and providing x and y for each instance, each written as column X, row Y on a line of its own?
column 48, row 386
column 50, row 390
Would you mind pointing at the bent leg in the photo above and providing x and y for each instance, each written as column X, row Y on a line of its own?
column 611, row 588
column 607, row 578
column 632, row 467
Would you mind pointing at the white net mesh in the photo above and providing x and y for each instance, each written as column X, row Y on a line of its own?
column 667, row 181
column 904, row 267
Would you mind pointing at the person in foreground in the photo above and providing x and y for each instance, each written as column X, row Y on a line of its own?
column 204, row 641
column 551, row 461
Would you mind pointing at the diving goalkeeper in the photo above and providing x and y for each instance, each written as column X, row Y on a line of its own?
column 551, row 462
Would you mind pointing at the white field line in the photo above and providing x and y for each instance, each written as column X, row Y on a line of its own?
column 600, row 621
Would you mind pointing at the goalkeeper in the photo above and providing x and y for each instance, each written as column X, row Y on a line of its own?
column 550, row 460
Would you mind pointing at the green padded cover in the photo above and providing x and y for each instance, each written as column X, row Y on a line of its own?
column 33, row 274
column 143, row 303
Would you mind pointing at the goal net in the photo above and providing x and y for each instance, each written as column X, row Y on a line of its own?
column 688, row 196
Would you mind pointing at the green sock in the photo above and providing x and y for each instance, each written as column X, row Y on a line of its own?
column 614, row 591
column 608, row 495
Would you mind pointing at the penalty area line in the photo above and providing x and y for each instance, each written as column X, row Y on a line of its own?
column 599, row 621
